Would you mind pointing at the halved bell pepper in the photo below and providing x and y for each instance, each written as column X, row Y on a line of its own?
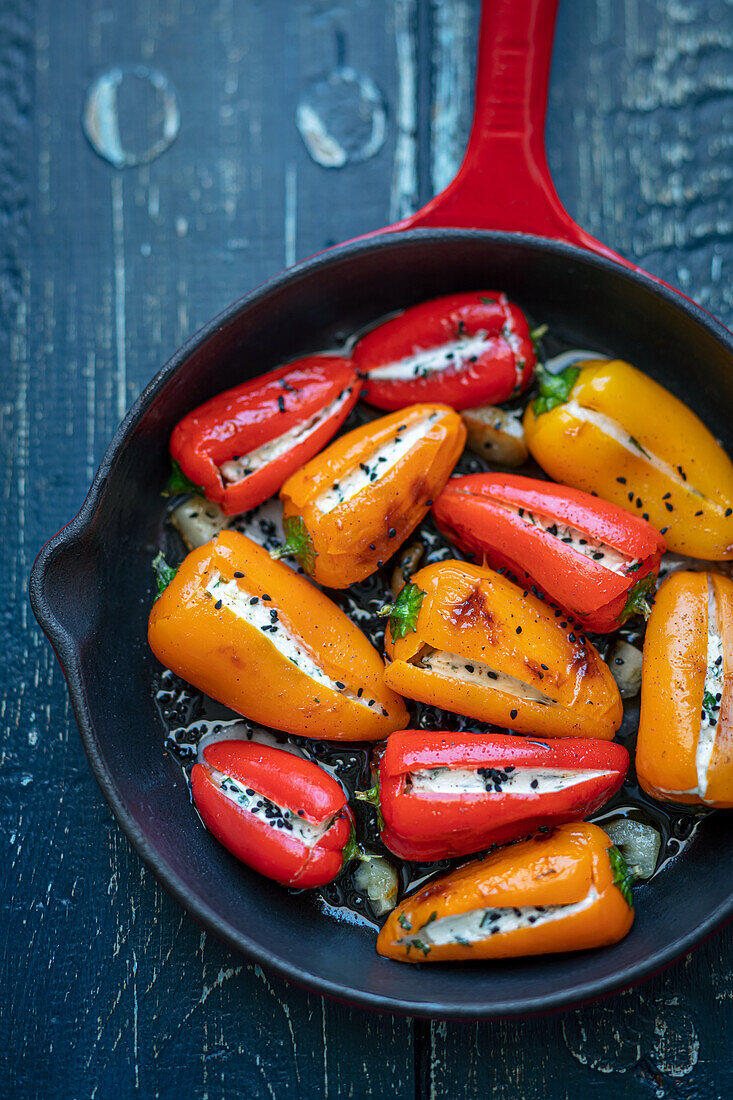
column 684, row 751
column 448, row 794
column 464, row 350
column 593, row 558
column 566, row 891
column 278, row 813
column 264, row 641
column 464, row 638
column 607, row 428
column 352, row 506
column 241, row 446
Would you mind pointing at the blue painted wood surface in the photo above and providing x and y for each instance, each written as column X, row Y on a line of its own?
column 109, row 989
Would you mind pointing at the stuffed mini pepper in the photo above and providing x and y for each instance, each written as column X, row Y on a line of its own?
column 278, row 813
column 348, row 510
column 264, row 641
column 684, row 751
column 241, row 446
column 566, row 891
column 593, row 558
column 448, row 794
column 464, row 638
column 464, row 350
column 607, row 428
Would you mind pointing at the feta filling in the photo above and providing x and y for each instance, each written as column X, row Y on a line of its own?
column 239, row 467
column 379, row 463
column 481, row 924
column 606, row 556
column 277, row 817
column 712, row 695
column 475, row 672
column 427, row 361
column 613, row 429
column 264, row 616
column 522, row 781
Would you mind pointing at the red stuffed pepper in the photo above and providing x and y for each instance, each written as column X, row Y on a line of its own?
column 596, row 560
column 280, row 814
column 449, row 794
column 242, row 445
column 462, row 350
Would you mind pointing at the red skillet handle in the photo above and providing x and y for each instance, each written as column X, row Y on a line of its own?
column 504, row 182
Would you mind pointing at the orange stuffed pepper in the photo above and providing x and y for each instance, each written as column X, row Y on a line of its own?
column 264, row 641
column 350, row 508
column 566, row 891
column 610, row 429
column 684, row 751
column 464, row 638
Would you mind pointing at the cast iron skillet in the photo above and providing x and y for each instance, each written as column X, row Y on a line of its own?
column 91, row 585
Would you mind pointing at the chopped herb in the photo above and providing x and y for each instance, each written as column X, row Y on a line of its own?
column 637, row 444
column 404, row 922
column 487, row 301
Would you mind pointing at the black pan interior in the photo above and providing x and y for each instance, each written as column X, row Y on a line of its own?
column 91, row 589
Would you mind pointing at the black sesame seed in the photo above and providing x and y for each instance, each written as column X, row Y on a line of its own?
column 265, row 596
column 621, row 480
column 645, row 516
column 340, row 686
column 372, row 546
column 429, row 503
column 519, row 630
column 360, row 692
column 392, row 532
column 666, row 496
column 597, row 556
column 469, row 668
column 728, row 512
column 668, row 506
column 535, row 784
column 664, row 531
column 239, row 575
column 254, row 600
column 699, row 513
column 380, row 564
column 217, row 605
column 571, row 637
column 281, row 403
column 544, row 666
column 512, row 714
column 639, row 502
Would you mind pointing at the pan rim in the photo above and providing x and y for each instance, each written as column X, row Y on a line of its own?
column 67, row 651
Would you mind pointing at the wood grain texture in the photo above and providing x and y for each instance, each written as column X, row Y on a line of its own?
column 109, row 989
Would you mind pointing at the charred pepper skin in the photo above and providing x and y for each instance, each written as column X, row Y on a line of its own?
column 666, row 466
column 352, row 540
column 561, row 868
column 201, row 639
column 485, row 516
column 485, row 620
column 676, row 761
column 242, row 419
column 426, row 826
column 473, row 375
column 305, row 793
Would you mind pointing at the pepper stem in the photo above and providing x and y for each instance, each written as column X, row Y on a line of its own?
column 164, row 573
column 641, row 598
column 178, row 483
column 354, row 850
column 298, row 544
column 403, row 613
column 623, row 876
column 554, row 388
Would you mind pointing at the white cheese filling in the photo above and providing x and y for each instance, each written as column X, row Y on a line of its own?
column 606, row 556
column 712, row 695
column 497, row 780
column 277, row 817
column 264, row 616
column 475, row 672
column 480, row 924
column 239, row 467
column 423, row 362
column 379, row 463
column 613, row 429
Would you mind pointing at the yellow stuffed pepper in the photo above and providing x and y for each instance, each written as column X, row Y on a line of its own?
column 684, row 751
column 565, row 891
column 264, row 641
column 464, row 638
column 610, row 429
column 350, row 508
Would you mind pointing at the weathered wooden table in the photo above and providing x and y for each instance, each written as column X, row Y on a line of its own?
column 106, row 265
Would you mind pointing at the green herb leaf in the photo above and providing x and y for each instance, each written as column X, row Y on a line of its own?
column 298, row 545
column 487, row 301
column 164, row 573
column 351, row 849
column 555, row 389
column 431, row 918
column 178, row 483
column 640, row 599
column 709, row 701
column 404, row 922
column 623, row 876
column 372, row 797
column 635, row 567
column 640, row 449
column 403, row 613
column 421, row 947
